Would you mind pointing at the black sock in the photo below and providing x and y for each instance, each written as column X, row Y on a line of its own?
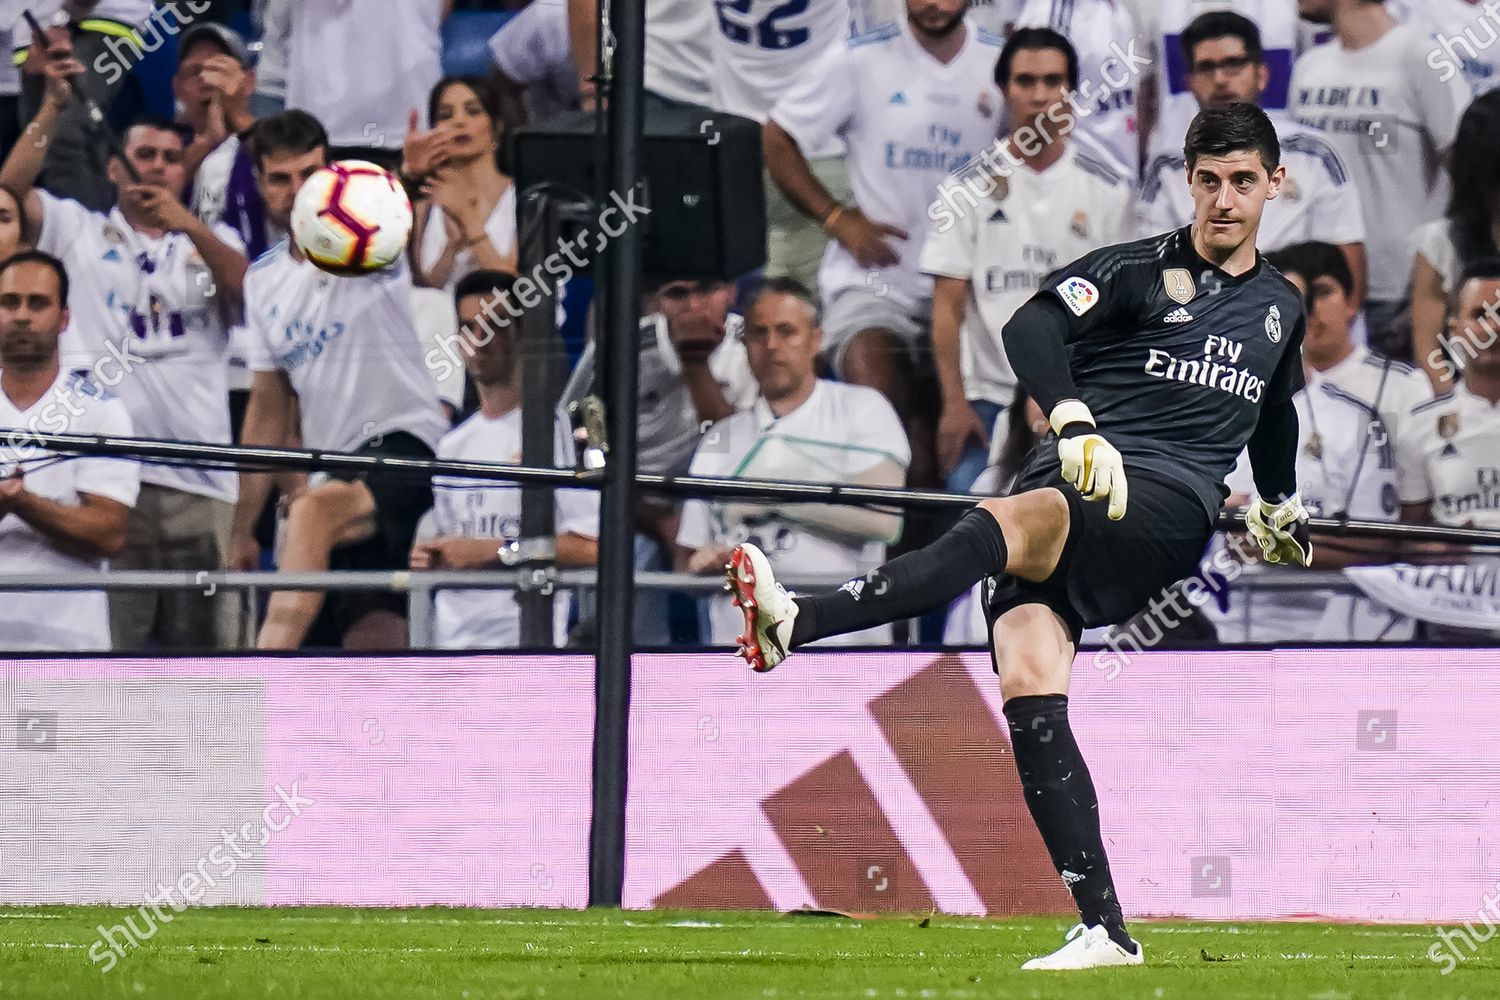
column 1060, row 795
column 908, row 585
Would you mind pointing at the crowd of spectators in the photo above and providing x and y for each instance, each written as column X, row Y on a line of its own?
column 928, row 163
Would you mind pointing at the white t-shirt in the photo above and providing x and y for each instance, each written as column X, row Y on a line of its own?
column 1097, row 28
column 906, row 121
column 1176, row 106
column 500, row 227
column 1470, row 31
column 1434, row 241
column 159, row 297
column 471, row 508
column 211, row 182
column 1349, row 419
column 759, row 50
column 839, row 432
column 1318, row 202
column 534, row 49
column 400, row 46
column 679, row 61
column 1450, row 455
column 1391, row 118
column 60, row 620
column 1030, row 226
column 349, row 347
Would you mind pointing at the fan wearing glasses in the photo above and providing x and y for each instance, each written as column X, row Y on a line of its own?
column 1319, row 202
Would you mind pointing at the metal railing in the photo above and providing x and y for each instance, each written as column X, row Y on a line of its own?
column 421, row 586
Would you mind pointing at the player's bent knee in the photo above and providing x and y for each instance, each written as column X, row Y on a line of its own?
column 1035, row 526
column 1034, row 652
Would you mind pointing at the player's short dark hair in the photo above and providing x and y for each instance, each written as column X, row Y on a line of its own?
column 44, row 259
column 1479, row 269
column 486, row 284
column 1222, row 24
column 1031, row 39
column 1314, row 260
column 1233, row 128
column 294, row 132
column 488, row 99
column 784, row 285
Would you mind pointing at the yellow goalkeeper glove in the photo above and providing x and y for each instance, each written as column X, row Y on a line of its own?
column 1089, row 462
column 1281, row 530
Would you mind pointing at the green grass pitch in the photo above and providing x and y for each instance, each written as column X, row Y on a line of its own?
column 345, row 954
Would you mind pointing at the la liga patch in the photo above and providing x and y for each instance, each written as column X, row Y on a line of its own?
column 1078, row 295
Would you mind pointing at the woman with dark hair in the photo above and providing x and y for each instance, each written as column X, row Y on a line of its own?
column 466, row 215
column 1469, row 231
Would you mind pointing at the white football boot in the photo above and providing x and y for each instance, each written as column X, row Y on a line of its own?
column 1087, row 948
column 768, row 607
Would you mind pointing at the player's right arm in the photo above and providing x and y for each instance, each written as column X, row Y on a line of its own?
column 24, row 164
column 267, row 425
column 1084, row 299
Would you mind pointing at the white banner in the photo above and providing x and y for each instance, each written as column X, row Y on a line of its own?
column 1462, row 596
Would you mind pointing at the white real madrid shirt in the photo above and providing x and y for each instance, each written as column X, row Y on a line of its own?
column 348, row 346
column 155, row 301
column 471, row 508
column 679, row 61
column 59, row 620
column 1031, row 225
column 838, row 433
column 1349, row 419
column 1450, row 458
column 760, row 46
column 906, row 120
column 1392, row 119
column 1319, row 201
column 1104, row 32
column 1176, row 106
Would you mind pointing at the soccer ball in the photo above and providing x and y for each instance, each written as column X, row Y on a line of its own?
column 351, row 218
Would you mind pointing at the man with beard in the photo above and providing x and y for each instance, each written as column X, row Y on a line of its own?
column 911, row 101
column 57, row 515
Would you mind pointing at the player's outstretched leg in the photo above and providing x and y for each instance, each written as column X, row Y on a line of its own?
column 1022, row 535
column 1035, row 654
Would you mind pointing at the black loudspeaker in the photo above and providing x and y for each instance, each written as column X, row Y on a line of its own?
column 703, row 186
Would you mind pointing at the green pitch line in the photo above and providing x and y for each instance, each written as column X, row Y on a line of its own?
column 340, row 954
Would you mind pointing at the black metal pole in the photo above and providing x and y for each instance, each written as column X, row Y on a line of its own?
column 542, row 383
column 621, row 273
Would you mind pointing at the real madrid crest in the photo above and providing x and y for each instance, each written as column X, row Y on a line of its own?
column 1081, row 225
column 1290, row 189
column 1178, row 282
column 1273, row 324
column 112, row 234
column 1447, row 425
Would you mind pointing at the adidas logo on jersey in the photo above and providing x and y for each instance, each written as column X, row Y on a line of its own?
column 898, row 98
column 999, row 216
column 1179, row 316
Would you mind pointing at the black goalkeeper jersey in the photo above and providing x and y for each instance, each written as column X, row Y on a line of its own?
column 1175, row 358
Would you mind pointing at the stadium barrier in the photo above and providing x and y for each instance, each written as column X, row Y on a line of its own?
column 1233, row 785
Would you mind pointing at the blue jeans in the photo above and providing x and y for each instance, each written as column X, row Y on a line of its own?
column 976, row 457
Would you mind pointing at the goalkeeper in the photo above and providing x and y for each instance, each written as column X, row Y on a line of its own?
column 1158, row 361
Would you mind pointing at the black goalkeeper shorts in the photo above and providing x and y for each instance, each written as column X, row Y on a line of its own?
column 1109, row 570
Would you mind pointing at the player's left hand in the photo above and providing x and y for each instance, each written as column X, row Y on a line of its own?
column 1281, row 530
column 11, row 488
column 1090, row 463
